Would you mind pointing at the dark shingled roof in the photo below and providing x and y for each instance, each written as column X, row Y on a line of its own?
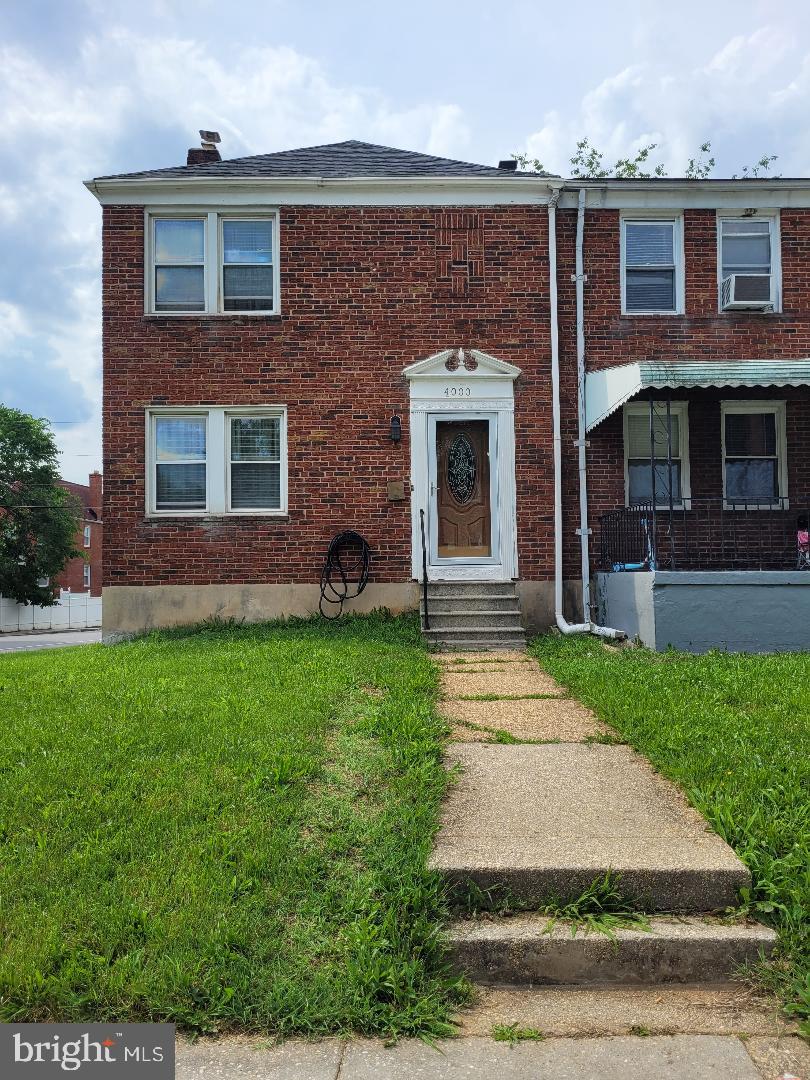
column 335, row 160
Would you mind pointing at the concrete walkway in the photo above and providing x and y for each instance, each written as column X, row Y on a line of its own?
column 673, row 1057
column 50, row 639
column 548, row 801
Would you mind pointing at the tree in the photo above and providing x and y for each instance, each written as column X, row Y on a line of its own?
column 38, row 519
column 587, row 163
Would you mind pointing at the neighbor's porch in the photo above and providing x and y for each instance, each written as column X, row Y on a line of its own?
column 707, row 547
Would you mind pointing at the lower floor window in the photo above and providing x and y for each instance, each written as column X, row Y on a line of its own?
column 656, row 463
column 217, row 460
column 754, row 467
column 87, row 575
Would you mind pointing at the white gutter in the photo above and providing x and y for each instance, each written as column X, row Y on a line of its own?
column 562, row 623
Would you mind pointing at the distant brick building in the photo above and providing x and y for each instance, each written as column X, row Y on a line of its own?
column 80, row 576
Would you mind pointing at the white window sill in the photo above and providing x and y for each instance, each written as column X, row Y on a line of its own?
column 647, row 314
column 211, row 314
column 202, row 515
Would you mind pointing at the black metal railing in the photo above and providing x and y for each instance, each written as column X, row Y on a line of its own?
column 424, row 571
column 706, row 534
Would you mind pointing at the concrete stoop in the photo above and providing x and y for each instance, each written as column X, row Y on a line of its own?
column 528, row 824
column 473, row 615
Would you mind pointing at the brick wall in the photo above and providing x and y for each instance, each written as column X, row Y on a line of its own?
column 364, row 292
column 702, row 334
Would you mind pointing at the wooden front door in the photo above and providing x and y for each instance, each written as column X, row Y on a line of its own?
column 463, row 510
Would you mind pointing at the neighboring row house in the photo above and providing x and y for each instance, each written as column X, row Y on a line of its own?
column 569, row 402
column 84, row 575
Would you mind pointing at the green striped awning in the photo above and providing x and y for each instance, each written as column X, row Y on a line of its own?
column 608, row 389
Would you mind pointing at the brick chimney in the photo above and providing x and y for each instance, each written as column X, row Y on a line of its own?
column 201, row 155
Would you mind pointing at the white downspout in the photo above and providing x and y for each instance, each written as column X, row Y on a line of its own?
column 562, row 623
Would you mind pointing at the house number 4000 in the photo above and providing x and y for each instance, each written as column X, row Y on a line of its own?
column 457, row 391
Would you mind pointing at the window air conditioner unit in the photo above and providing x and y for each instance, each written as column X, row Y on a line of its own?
column 746, row 291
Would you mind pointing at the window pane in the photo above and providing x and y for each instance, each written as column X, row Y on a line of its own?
column 752, row 480
column 180, row 438
column 255, row 486
column 179, row 288
column 640, row 482
column 248, row 281
column 649, row 243
column 750, row 434
column 255, row 438
column 247, row 241
column 179, row 241
column 741, row 253
column 638, row 434
column 745, row 227
column 650, row 290
column 180, row 487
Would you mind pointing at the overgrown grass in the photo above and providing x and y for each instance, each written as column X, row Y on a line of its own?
column 734, row 731
column 226, row 829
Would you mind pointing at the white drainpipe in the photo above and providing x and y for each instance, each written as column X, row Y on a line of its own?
column 564, row 626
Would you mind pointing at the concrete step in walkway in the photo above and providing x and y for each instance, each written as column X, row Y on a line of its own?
column 543, row 821
column 535, row 950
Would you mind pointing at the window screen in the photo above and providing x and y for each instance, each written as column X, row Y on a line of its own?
column 179, row 264
column 649, row 266
column 247, row 270
column 255, row 463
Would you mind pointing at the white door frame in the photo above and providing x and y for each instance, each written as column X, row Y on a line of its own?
column 433, row 481
column 470, row 385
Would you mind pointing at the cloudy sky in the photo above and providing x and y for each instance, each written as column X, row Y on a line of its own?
column 89, row 87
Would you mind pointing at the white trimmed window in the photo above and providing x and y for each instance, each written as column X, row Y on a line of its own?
column 748, row 261
column 215, row 264
column 638, row 445
column 652, row 266
column 87, row 575
column 217, row 460
column 87, row 536
column 754, row 453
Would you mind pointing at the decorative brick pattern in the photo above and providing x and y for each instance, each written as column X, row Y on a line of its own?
column 459, row 251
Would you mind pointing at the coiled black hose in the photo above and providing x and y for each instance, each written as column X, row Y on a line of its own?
column 345, row 571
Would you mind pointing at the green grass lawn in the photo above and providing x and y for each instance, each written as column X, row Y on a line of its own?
column 734, row 732
column 225, row 829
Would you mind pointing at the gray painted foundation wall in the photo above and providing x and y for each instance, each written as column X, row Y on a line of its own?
column 737, row 611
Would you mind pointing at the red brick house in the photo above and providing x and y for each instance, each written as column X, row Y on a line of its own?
column 355, row 337
column 85, row 575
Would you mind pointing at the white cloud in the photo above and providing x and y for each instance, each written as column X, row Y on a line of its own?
column 62, row 124
column 755, row 86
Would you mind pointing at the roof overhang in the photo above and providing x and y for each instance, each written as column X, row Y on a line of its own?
column 324, row 191
column 609, row 388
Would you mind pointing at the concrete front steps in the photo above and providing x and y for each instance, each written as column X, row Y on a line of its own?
column 530, row 949
column 473, row 615
column 530, row 824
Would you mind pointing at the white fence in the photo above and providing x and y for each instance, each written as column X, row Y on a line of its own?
column 75, row 611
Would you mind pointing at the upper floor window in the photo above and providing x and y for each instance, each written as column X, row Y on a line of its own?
column 748, row 262
column 217, row 460
column 654, row 460
column 212, row 264
column 754, row 457
column 652, row 266
column 87, row 535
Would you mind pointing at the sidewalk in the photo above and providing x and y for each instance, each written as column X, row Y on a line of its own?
column 671, row 1057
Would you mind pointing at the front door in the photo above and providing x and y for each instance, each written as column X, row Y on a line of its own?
column 463, row 490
